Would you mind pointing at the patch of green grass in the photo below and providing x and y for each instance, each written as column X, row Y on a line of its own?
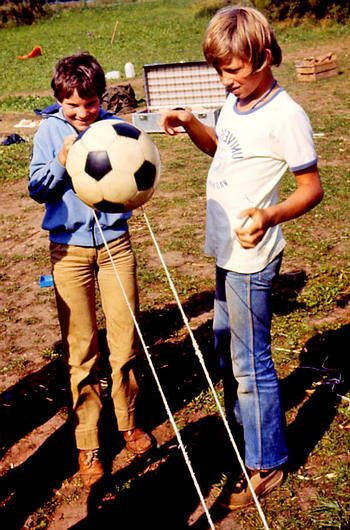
column 30, row 321
column 147, row 276
column 335, row 437
column 27, row 103
column 14, row 161
column 330, row 124
column 329, row 513
column 50, row 354
column 317, row 243
column 12, row 288
column 187, row 284
column 147, row 32
column 41, row 518
column 184, row 239
column 342, row 478
column 309, row 31
column 16, row 258
column 162, row 31
column 10, row 313
column 325, row 289
column 18, row 364
column 40, row 256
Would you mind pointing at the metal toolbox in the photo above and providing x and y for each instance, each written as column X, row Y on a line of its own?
column 191, row 85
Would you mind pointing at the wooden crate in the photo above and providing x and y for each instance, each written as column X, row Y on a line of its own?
column 315, row 68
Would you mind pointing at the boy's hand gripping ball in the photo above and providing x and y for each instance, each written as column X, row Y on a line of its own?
column 114, row 166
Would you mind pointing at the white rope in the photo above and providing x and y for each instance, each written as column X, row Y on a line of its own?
column 171, row 417
column 200, row 357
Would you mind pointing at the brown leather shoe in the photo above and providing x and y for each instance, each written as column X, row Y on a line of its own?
column 90, row 467
column 138, row 441
column 263, row 482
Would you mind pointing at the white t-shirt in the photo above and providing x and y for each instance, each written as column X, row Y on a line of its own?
column 254, row 150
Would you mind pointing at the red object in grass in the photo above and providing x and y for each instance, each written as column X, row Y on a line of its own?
column 36, row 51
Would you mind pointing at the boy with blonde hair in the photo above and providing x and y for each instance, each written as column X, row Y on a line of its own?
column 260, row 133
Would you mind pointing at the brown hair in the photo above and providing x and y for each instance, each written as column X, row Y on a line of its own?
column 241, row 32
column 81, row 72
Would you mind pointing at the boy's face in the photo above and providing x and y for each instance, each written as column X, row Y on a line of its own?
column 239, row 79
column 80, row 112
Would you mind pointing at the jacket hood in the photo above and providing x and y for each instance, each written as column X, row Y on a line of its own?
column 48, row 111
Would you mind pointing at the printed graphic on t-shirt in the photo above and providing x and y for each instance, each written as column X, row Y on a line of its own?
column 217, row 170
column 227, row 137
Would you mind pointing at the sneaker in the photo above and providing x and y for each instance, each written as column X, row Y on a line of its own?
column 263, row 482
column 90, row 467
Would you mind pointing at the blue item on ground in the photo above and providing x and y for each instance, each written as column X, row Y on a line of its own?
column 13, row 139
column 46, row 280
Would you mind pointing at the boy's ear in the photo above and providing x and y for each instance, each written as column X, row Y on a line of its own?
column 268, row 56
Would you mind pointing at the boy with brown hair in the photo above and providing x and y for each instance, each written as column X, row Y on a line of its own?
column 79, row 258
column 260, row 133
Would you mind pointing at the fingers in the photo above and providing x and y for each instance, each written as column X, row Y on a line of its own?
column 167, row 129
column 172, row 119
column 247, row 240
column 251, row 235
column 67, row 144
column 167, row 122
column 69, row 141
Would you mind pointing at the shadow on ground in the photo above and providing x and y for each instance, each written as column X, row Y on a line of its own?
column 31, row 402
column 163, row 496
column 324, row 361
column 166, row 496
column 40, row 396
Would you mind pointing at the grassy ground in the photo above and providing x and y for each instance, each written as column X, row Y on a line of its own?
column 310, row 332
column 162, row 31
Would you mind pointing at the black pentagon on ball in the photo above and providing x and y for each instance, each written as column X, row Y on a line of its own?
column 125, row 129
column 109, row 207
column 145, row 176
column 97, row 164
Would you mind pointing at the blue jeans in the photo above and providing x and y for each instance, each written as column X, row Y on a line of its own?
column 242, row 322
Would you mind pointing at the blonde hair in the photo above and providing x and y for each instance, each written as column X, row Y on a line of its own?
column 241, row 32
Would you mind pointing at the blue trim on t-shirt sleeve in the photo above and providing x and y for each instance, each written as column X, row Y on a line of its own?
column 304, row 166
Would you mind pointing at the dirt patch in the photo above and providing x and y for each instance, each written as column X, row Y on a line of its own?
column 34, row 392
column 34, row 399
column 9, row 120
column 37, row 441
column 307, row 496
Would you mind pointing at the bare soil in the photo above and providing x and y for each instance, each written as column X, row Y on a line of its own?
column 39, row 483
column 38, row 466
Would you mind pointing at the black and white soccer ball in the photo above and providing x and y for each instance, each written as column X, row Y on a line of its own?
column 114, row 166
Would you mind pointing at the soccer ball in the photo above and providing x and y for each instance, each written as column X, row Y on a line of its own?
column 114, row 166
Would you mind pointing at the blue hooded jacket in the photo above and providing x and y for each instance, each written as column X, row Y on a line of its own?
column 67, row 218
